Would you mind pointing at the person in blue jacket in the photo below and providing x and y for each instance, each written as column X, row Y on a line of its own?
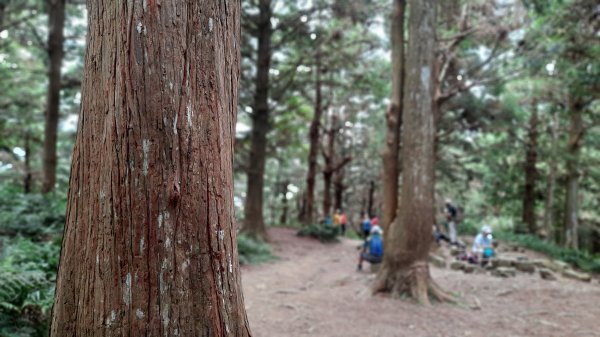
column 372, row 249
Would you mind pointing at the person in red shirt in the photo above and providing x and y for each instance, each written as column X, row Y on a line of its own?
column 374, row 220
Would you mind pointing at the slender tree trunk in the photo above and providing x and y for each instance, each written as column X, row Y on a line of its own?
column 371, row 198
column 338, row 189
column 149, row 247
column 254, row 223
column 531, row 173
column 27, row 177
column 56, row 23
column 313, row 151
column 405, row 270
column 548, row 226
column 391, row 150
column 284, row 202
column 573, row 153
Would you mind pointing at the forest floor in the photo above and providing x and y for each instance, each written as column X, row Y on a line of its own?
column 313, row 289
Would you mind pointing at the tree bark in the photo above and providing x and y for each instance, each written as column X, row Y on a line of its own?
column 149, row 246
column 56, row 23
column 338, row 189
column 405, row 270
column 284, row 202
column 27, row 178
column 314, row 138
column 576, row 132
column 371, row 199
column 548, row 224
column 391, row 150
column 531, row 173
column 254, row 223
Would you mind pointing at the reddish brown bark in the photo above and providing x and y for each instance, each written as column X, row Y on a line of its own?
column 531, row 173
column 56, row 23
column 391, row 150
column 405, row 269
column 254, row 223
column 149, row 245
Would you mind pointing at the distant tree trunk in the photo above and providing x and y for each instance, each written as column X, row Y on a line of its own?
column 27, row 177
column 338, row 189
column 548, row 226
column 371, row 198
column 284, row 202
column 391, row 150
column 314, row 139
column 576, row 132
column 254, row 223
column 149, row 245
column 531, row 174
column 56, row 23
column 405, row 270
column 328, row 159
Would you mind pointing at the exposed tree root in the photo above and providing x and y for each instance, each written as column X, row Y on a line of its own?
column 413, row 281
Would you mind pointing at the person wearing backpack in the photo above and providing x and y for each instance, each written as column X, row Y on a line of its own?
column 451, row 214
column 366, row 226
column 372, row 249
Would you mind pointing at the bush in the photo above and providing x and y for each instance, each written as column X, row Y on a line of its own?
column 583, row 260
column 27, row 277
column 253, row 251
column 324, row 233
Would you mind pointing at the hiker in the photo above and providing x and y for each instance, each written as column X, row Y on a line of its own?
column 451, row 217
column 438, row 235
column 366, row 226
column 372, row 249
column 342, row 220
column 482, row 245
column 328, row 221
column 374, row 220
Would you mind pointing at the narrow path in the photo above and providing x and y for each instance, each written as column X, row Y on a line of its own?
column 314, row 290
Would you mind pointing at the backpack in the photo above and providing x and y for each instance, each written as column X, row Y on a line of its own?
column 376, row 246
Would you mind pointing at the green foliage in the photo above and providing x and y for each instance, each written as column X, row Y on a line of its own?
column 324, row 233
column 583, row 260
column 27, row 277
column 33, row 215
column 253, row 251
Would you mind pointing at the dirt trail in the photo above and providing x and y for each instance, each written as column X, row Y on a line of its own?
column 314, row 290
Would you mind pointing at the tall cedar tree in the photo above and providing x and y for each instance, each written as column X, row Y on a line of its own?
column 254, row 222
column 56, row 24
column 405, row 269
column 149, row 245
column 391, row 151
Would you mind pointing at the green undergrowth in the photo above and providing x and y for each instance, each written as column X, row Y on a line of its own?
column 323, row 233
column 253, row 251
column 582, row 260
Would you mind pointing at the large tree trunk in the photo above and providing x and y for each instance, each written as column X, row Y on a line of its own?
column 576, row 132
column 315, row 125
column 405, row 270
column 531, row 174
column 56, row 23
column 548, row 225
column 391, row 150
column 254, row 223
column 149, row 245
